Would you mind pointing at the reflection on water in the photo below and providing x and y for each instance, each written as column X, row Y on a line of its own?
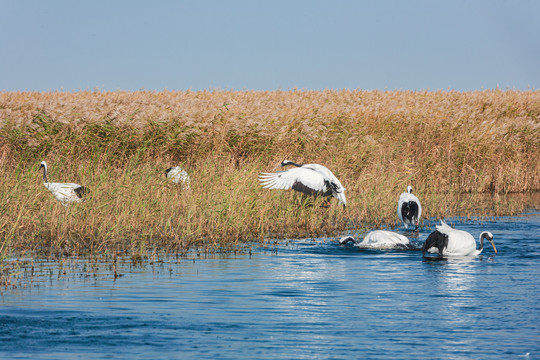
column 310, row 299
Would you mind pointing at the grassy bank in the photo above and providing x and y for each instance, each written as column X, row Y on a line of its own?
column 448, row 145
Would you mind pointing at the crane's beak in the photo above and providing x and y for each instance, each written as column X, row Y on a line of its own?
column 493, row 244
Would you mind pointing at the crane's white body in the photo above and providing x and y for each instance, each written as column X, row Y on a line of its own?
column 179, row 176
column 64, row 192
column 458, row 242
column 380, row 239
column 405, row 199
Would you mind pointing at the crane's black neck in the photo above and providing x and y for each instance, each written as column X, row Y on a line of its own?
column 288, row 162
column 44, row 173
column 482, row 237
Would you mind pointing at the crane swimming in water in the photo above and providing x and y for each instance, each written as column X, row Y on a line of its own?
column 447, row 241
column 380, row 239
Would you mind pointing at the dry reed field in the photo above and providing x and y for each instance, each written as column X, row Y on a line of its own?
column 450, row 146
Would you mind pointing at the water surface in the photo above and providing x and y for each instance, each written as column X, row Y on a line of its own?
column 306, row 299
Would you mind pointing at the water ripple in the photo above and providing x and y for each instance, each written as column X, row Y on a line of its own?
column 307, row 299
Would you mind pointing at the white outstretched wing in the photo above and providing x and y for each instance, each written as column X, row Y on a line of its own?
column 299, row 179
column 338, row 191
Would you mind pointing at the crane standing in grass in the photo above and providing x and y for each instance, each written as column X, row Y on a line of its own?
column 178, row 176
column 66, row 193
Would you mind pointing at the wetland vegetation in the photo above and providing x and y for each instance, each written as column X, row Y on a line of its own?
column 450, row 146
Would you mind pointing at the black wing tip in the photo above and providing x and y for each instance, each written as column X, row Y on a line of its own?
column 409, row 211
column 298, row 186
column 81, row 191
column 435, row 239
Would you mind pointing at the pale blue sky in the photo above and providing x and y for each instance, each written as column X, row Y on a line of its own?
column 266, row 45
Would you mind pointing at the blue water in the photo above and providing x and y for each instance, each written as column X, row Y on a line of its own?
column 305, row 299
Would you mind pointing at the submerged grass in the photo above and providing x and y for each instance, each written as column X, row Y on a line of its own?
column 450, row 146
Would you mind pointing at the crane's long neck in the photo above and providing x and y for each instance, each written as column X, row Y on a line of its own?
column 288, row 162
column 45, row 174
column 483, row 236
column 481, row 247
column 489, row 237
